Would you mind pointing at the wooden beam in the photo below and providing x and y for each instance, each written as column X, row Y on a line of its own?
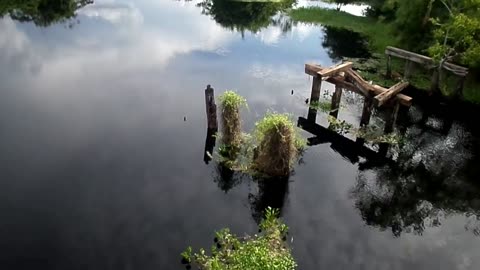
column 383, row 97
column 336, row 69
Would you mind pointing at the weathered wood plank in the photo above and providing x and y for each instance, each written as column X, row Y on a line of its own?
column 336, row 69
column 383, row 97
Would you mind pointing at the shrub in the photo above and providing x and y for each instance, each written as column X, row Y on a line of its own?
column 265, row 251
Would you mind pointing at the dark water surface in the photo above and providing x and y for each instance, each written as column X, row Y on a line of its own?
column 99, row 170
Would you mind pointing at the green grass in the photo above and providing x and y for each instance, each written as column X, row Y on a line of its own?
column 264, row 251
column 380, row 34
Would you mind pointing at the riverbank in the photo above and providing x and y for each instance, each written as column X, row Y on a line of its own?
column 379, row 36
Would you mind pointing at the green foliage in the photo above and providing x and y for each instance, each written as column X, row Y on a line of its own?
column 458, row 39
column 42, row 12
column 265, row 251
column 322, row 105
column 339, row 126
column 278, row 144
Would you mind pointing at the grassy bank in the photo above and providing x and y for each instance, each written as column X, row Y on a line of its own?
column 379, row 35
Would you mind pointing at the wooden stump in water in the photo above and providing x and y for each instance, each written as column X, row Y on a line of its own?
column 211, row 108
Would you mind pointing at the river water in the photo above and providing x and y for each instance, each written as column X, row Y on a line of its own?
column 102, row 136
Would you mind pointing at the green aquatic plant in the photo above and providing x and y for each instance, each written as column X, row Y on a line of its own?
column 339, row 126
column 278, row 144
column 230, row 104
column 323, row 105
column 264, row 251
column 374, row 134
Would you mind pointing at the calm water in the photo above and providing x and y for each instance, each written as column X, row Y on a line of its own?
column 99, row 170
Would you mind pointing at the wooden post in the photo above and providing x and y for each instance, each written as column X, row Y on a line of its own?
column 316, row 85
column 314, row 97
column 408, row 69
column 211, row 108
column 337, row 96
column 389, row 67
column 391, row 118
column 367, row 110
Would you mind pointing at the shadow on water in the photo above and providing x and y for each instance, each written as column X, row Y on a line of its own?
column 244, row 16
column 272, row 193
column 342, row 43
column 42, row 12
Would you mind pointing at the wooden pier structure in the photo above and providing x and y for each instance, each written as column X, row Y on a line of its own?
column 345, row 78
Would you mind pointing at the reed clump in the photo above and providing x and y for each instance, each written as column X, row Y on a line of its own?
column 230, row 105
column 279, row 145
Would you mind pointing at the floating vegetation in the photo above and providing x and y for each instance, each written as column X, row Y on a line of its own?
column 324, row 106
column 278, row 145
column 266, row 250
column 339, row 126
column 371, row 134
column 230, row 104
column 375, row 135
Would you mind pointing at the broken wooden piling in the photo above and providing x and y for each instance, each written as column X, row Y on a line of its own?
column 211, row 108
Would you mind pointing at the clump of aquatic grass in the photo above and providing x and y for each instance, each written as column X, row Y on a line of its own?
column 230, row 104
column 266, row 251
column 278, row 144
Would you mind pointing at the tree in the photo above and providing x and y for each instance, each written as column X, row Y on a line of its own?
column 457, row 38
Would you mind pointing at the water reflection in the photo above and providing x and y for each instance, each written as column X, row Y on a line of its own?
column 42, row 12
column 430, row 181
column 341, row 42
column 270, row 193
column 244, row 15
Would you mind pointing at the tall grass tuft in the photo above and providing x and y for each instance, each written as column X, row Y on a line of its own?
column 278, row 145
column 230, row 105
